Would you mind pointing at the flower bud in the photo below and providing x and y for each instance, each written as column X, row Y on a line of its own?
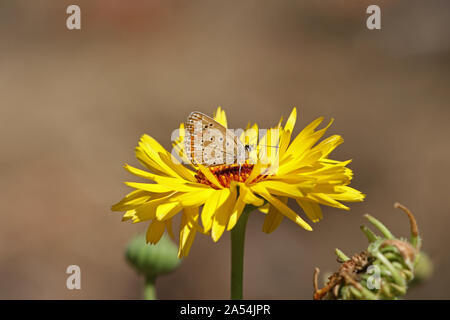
column 152, row 260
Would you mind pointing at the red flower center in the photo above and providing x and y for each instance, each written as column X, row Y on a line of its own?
column 226, row 173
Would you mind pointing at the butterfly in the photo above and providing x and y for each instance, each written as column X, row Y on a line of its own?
column 209, row 143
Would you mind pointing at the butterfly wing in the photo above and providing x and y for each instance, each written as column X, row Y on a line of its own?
column 209, row 143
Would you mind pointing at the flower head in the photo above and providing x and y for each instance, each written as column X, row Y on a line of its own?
column 212, row 199
column 384, row 271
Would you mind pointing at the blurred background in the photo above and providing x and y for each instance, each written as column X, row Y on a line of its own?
column 74, row 104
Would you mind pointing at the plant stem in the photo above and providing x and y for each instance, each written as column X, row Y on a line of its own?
column 342, row 256
column 237, row 254
column 385, row 231
column 149, row 289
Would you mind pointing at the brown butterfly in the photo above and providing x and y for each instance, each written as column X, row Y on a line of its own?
column 209, row 143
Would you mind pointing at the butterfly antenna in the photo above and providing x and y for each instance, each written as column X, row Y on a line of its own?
column 265, row 145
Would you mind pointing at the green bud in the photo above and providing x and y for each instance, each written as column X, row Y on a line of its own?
column 152, row 260
column 423, row 268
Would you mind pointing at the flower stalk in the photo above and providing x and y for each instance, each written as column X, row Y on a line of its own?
column 149, row 288
column 237, row 254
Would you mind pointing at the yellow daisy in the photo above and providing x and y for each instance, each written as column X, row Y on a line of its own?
column 212, row 199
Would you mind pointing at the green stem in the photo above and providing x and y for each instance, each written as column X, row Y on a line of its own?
column 385, row 231
column 369, row 234
column 149, row 289
column 342, row 256
column 237, row 254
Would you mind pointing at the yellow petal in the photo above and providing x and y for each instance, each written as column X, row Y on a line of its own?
column 153, row 149
column 223, row 213
column 131, row 200
column 155, row 231
column 311, row 209
column 220, row 116
column 128, row 215
column 146, row 160
column 167, row 210
column 208, row 174
column 174, row 164
column 151, row 187
column 147, row 211
column 178, row 146
column 268, row 146
column 249, row 197
column 307, row 138
column 273, row 218
column 329, row 144
column 280, row 206
column 166, row 186
column 176, row 184
column 195, row 198
column 139, row 172
column 237, row 211
column 265, row 208
column 290, row 123
column 250, row 135
column 156, row 158
column 285, row 137
column 281, row 188
column 308, row 130
column 280, row 122
column 326, row 200
column 193, row 218
column 348, row 194
column 187, row 231
column 186, row 227
column 256, row 171
column 210, row 207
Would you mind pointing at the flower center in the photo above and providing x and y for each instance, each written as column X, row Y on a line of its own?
column 226, row 173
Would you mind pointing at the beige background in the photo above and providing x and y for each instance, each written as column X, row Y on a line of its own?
column 74, row 103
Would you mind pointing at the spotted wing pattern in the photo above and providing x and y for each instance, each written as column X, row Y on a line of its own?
column 209, row 143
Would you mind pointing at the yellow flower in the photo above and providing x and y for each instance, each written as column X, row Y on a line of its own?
column 299, row 169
